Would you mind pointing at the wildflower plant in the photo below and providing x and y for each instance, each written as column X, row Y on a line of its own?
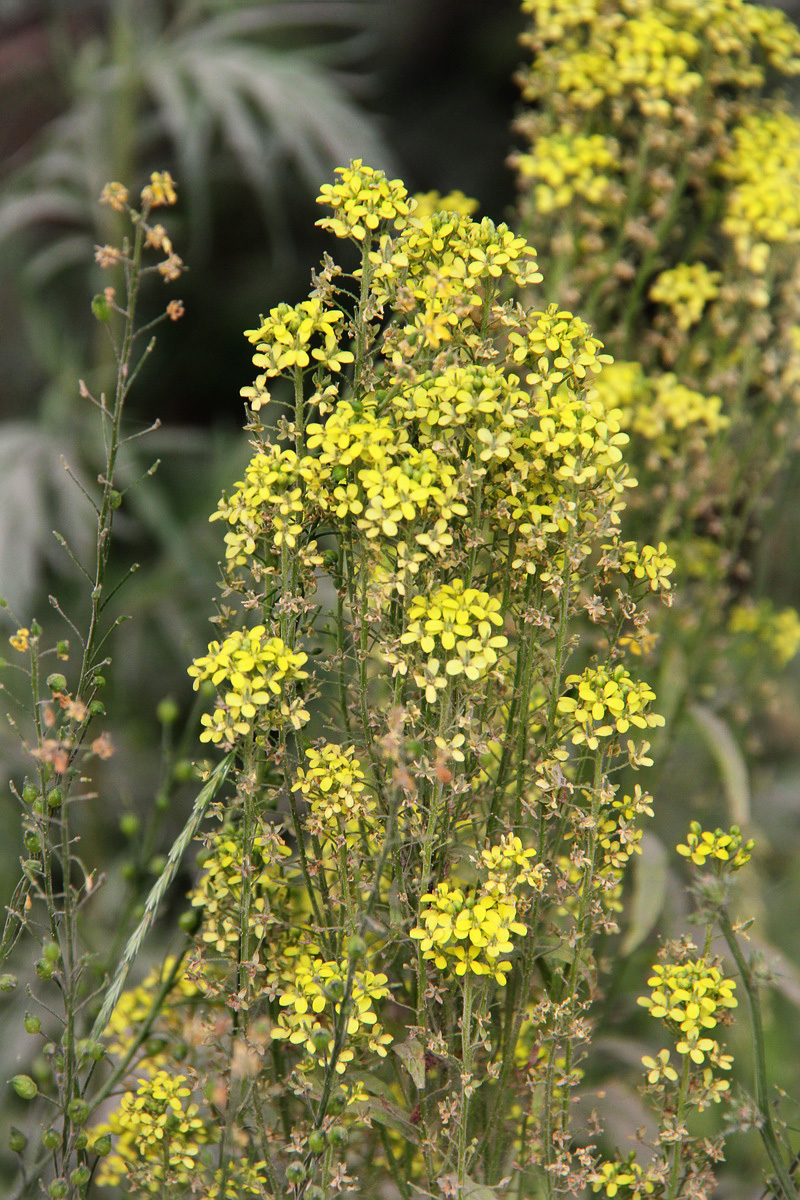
column 427, row 703
column 423, row 799
column 658, row 170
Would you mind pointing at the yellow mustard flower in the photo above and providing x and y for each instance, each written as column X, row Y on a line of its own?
column 20, row 640
column 363, row 201
column 310, row 995
column 686, row 289
column 333, row 785
column 690, row 998
column 566, row 165
column 254, row 671
column 776, row 631
column 160, row 191
column 454, row 625
column 626, row 1179
column 727, row 849
column 468, row 931
column 154, row 1133
column 605, row 702
column 285, row 341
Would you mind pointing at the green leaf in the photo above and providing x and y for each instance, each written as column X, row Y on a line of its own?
column 729, row 761
column 412, row 1055
column 470, row 1190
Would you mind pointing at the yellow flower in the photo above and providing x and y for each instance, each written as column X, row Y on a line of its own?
column 285, row 340
column 567, row 164
column 686, row 289
column 115, row 195
column 727, row 850
column 455, row 625
column 333, row 785
column 690, row 998
column 254, row 671
column 310, row 995
column 468, row 931
column 160, row 190
column 20, row 640
column 659, row 1069
column 606, row 702
column 364, row 201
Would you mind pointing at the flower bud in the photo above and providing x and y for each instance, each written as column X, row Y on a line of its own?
column 24, row 1086
column 17, row 1140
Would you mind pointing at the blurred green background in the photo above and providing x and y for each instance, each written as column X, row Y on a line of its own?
column 251, row 107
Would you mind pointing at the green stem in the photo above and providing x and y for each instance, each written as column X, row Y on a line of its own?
column 466, row 1081
column 680, row 1113
column 767, row 1129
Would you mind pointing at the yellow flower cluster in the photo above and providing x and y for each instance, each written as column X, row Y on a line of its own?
column 468, row 930
column 20, row 640
column 417, row 482
column 428, row 203
column 654, row 53
column 364, row 201
column 690, row 997
column 728, row 850
column 353, row 432
column 763, row 205
column 686, row 289
column 627, row 1179
column 370, row 470
column 159, row 191
column 557, row 347
column 451, row 246
column 254, row 671
column 779, row 632
column 454, row 624
column 668, row 415
column 507, row 865
column 333, row 785
column 617, row 835
column 218, row 891
column 284, row 340
column 651, row 563
column 607, row 702
column 311, row 1000
column 242, row 1179
column 568, row 164
column 154, row 1130
column 271, row 499
column 475, row 400
column 642, row 57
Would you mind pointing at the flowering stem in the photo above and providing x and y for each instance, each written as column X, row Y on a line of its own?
column 299, row 414
column 680, row 1112
column 466, row 1079
column 767, row 1129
